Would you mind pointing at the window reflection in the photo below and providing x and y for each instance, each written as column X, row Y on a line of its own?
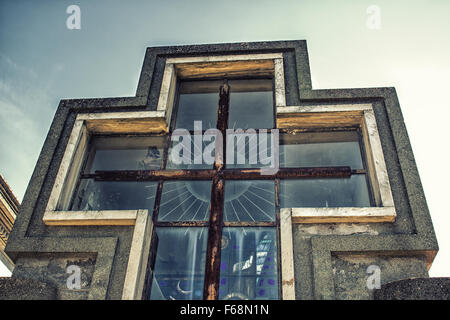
column 99, row 195
column 248, row 264
column 249, row 150
column 325, row 149
column 249, row 201
column 344, row 192
column 125, row 153
column 185, row 201
column 180, row 264
column 194, row 149
column 197, row 107
column 251, row 110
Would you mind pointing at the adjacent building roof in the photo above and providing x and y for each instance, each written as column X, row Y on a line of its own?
column 9, row 207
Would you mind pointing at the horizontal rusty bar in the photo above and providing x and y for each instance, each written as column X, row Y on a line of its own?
column 181, row 224
column 288, row 173
column 150, row 175
column 250, row 223
column 228, row 174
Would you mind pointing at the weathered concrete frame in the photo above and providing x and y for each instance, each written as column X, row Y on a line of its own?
column 56, row 213
column 351, row 114
column 421, row 241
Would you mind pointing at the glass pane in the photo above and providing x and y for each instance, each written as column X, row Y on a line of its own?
column 111, row 195
column 180, row 264
column 197, row 107
column 251, row 110
column 313, row 150
column 249, row 200
column 318, row 193
column 185, row 201
column 249, row 268
column 190, row 153
column 130, row 153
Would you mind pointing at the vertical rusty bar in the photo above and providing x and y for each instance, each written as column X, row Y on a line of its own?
column 213, row 250
column 222, row 122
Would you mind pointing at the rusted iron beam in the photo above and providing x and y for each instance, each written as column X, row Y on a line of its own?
column 288, row 173
column 213, row 250
column 182, row 224
column 151, row 175
column 250, row 223
column 228, row 174
column 222, row 123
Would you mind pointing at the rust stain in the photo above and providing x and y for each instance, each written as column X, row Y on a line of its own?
column 288, row 282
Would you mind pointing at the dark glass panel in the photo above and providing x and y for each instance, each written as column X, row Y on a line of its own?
column 197, row 107
column 251, row 110
column 318, row 193
column 125, row 153
column 321, row 150
column 180, row 264
column 249, row 268
column 249, row 200
column 99, row 195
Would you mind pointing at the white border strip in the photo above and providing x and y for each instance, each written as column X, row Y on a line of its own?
column 240, row 57
column 324, row 108
column 287, row 255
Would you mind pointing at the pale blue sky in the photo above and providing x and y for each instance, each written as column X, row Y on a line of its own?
column 41, row 62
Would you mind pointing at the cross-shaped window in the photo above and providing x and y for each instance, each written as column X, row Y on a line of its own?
column 217, row 225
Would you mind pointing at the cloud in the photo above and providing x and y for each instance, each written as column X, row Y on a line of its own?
column 26, row 109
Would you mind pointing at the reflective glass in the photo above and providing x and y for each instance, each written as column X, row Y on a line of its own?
column 180, row 264
column 248, row 267
column 125, row 153
column 197, row 107
column 111, row 195
column 250, row 149
column 184, row 151
column 318, row 193
column 251, row 110
column 249, row 200
column 321, row 150
column 185, row 201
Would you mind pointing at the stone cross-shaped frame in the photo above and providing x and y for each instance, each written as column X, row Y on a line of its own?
column 297, row 105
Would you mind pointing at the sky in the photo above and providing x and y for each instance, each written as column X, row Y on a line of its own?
column 408, row 47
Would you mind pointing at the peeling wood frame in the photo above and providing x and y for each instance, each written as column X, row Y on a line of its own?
column 361, row 115
column 182, row 68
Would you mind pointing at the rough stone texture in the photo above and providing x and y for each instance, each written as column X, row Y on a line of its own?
column 26, row 289
column 315, row 247
column 350, row 273
column 415, row 289
column 52, row 269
